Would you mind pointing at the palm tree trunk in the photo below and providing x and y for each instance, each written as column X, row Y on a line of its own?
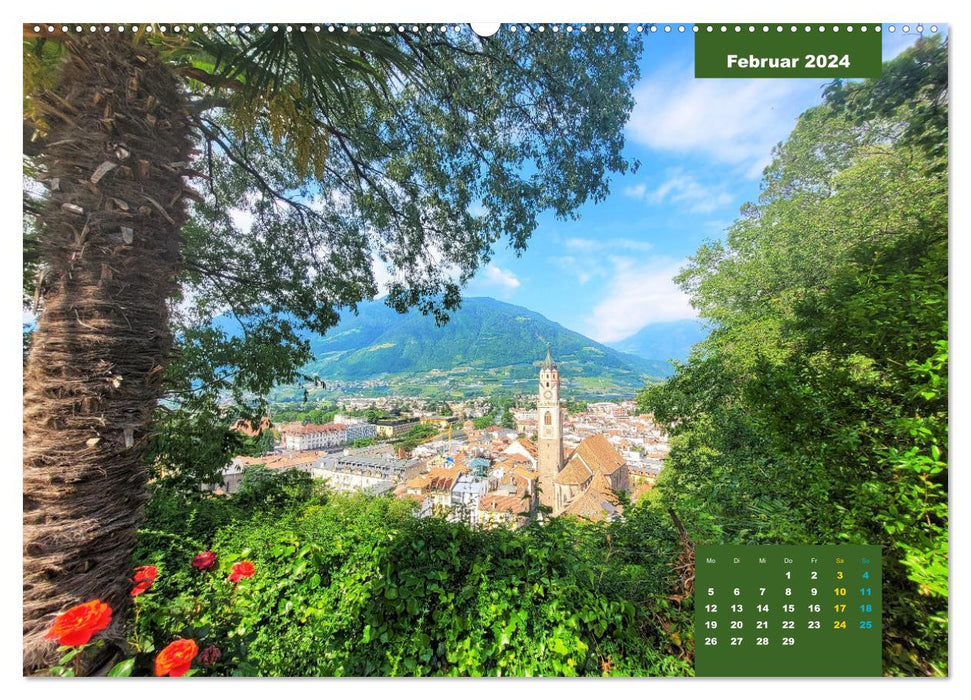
column 118, row 135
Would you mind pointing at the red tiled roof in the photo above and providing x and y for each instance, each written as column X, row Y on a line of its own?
column 501, row 503
column 520, row 479
column 441, row 483
column 530, row 446
column 420, row 482
column 590, row 504
column 593, row 459
column 527, row 474
column 417, row 497
column 599, row 454
column 443, row 478
column 575, row 472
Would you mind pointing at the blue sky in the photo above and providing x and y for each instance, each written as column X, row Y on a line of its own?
column 702, row 145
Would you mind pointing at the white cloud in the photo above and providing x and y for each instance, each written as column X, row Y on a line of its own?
column 581, row 244
column 498, row 277
column 590, row 258
column 636, row 191
column 629, row 244
column 733, row 121
column 685, row 189
column 584, row 270
column 639, row 292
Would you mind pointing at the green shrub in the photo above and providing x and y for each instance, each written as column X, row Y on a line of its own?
column 357, row 586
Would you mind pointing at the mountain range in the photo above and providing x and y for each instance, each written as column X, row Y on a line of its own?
column 665, row 340
column 487, row 345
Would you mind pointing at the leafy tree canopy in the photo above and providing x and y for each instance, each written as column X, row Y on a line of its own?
column 816, row 411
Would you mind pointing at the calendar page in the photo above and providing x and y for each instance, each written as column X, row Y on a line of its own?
column 391, row 347
column 797, row 610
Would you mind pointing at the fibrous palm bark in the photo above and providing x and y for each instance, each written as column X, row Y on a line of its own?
column 117, row 141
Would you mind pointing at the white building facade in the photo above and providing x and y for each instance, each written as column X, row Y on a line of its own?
column 313, row 437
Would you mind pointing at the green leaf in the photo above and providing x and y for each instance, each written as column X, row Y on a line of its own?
column 122, row 669
column 70, row 655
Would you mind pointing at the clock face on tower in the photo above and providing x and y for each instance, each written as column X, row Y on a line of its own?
column 547, row 394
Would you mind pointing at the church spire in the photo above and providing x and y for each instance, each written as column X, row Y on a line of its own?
column 549, row 358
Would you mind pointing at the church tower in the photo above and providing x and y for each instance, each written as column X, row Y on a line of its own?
column 550, row 429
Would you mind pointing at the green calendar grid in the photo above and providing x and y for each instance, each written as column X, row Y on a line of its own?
column 780, row 610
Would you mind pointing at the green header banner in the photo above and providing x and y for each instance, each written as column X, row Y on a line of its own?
column 788, row 51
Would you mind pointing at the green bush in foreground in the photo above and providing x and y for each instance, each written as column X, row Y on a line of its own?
column 356, row 586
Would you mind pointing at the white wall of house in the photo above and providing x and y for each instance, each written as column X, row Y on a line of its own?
column 347, row 481
column 315, row 440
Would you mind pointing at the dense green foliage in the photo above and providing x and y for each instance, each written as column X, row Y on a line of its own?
column 816, row 412
column 484, row 421
column 574, row 406
column 355, row 585
column 508, row 420
column 417, row 435
column 319, row 414
column 375, row 414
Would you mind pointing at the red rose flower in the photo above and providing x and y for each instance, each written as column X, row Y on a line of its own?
column 204, row 561
column 146, row 573
column 243, row 569
column 175, row 659
column 144, row 578
column 80, row 623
